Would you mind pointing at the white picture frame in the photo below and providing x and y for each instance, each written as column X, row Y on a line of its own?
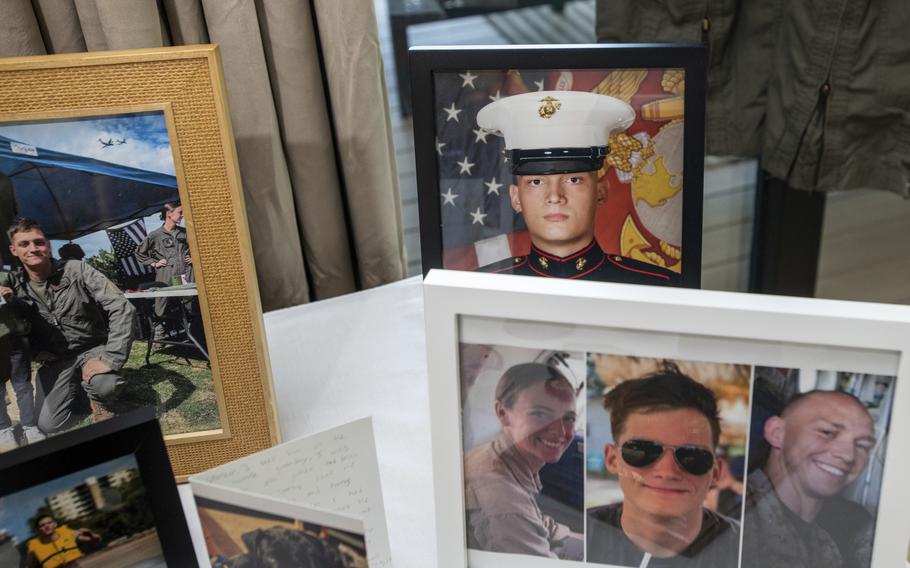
column 694, row 324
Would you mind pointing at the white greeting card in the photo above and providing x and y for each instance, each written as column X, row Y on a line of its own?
column 326, row 483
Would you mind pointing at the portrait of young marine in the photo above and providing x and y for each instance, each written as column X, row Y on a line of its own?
column 556, row 142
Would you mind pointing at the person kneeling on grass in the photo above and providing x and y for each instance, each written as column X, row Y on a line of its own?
column 81, row 330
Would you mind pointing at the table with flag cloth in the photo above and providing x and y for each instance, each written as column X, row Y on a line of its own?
column 360, row 355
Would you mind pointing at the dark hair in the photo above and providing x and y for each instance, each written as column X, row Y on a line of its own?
column 71, row 251
column 22, row 225
column 39, row 518
column 168, row 207
column 668, row 388
column 524, row 375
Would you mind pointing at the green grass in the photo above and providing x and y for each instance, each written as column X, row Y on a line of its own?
column 178, row 382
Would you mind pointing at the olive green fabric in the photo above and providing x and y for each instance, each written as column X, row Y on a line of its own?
column 312, row 220
column 817, row 88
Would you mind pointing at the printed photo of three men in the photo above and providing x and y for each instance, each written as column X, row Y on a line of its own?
column 99, row 306
column 637, row 461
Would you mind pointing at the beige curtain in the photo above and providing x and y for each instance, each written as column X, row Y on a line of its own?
column 310, row 116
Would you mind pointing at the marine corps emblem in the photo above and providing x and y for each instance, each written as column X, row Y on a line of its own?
column 543, row 262
column 580, row 263
column 549, row 107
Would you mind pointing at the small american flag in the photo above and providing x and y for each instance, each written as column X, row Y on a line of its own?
column 125, row 240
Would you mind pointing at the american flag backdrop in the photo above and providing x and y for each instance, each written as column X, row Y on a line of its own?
column 480, row 227
column 125, row 240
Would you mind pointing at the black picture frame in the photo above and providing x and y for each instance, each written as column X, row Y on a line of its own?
column 425, row 62
column 136, row 433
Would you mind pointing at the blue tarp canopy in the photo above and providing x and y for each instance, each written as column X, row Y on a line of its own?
column 72, row 196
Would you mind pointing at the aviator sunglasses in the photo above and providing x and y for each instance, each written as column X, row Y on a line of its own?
column 642, row 453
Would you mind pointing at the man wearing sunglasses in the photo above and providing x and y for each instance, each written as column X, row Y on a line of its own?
column 819, row 444
column 665, row 430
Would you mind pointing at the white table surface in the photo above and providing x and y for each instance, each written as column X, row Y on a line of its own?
column 360, row 355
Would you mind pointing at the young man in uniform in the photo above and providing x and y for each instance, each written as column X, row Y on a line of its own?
column 556, row 142
column 820, row 443
column 81, row 331
column 167, row 250
column 665, row 430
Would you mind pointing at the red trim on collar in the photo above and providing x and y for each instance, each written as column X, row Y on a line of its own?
column 509, row 267
column 656, row 275
column 573, row 277
column 567, row 258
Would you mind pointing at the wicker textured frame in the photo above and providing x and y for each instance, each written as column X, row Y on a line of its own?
column 185, row 83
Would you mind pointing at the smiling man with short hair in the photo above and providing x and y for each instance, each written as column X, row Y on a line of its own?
column 665, row 430
column 820, row 443
column 556, row 142
column 82, row 328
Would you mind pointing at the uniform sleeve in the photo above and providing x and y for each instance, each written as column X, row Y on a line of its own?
column 512, row 533
column 144, row 253
column 119, row 312
column 556, row 531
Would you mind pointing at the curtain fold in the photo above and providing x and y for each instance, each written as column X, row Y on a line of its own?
column 19, row 31
column 60, row 26
column 316, row 156
column 270, row 204
column 303, row 115
column 354, row 73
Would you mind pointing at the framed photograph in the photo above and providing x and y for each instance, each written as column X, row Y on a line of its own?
column 577, row 162
column 98, row 496
column 590, row 423
column 128, row 271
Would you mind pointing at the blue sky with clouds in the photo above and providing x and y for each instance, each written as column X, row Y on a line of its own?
column 147, row 147
column 16, row 509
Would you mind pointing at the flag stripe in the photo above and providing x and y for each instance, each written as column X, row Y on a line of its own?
column 124, row 241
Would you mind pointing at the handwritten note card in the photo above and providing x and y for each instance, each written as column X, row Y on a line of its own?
column 334, row 470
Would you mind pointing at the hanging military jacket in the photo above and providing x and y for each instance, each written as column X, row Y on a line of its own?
column 817, row 88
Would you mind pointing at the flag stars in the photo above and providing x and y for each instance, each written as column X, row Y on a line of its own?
column 465, row 166
column 493, row 98
column 539, row 85
column 477, row 217
column 449, row 198
column 439, row 146
column 492, row 186
column 452, row 112
column 481, row 135
column 467, row 79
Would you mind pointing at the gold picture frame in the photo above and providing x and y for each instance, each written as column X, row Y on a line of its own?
column 186, row 85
